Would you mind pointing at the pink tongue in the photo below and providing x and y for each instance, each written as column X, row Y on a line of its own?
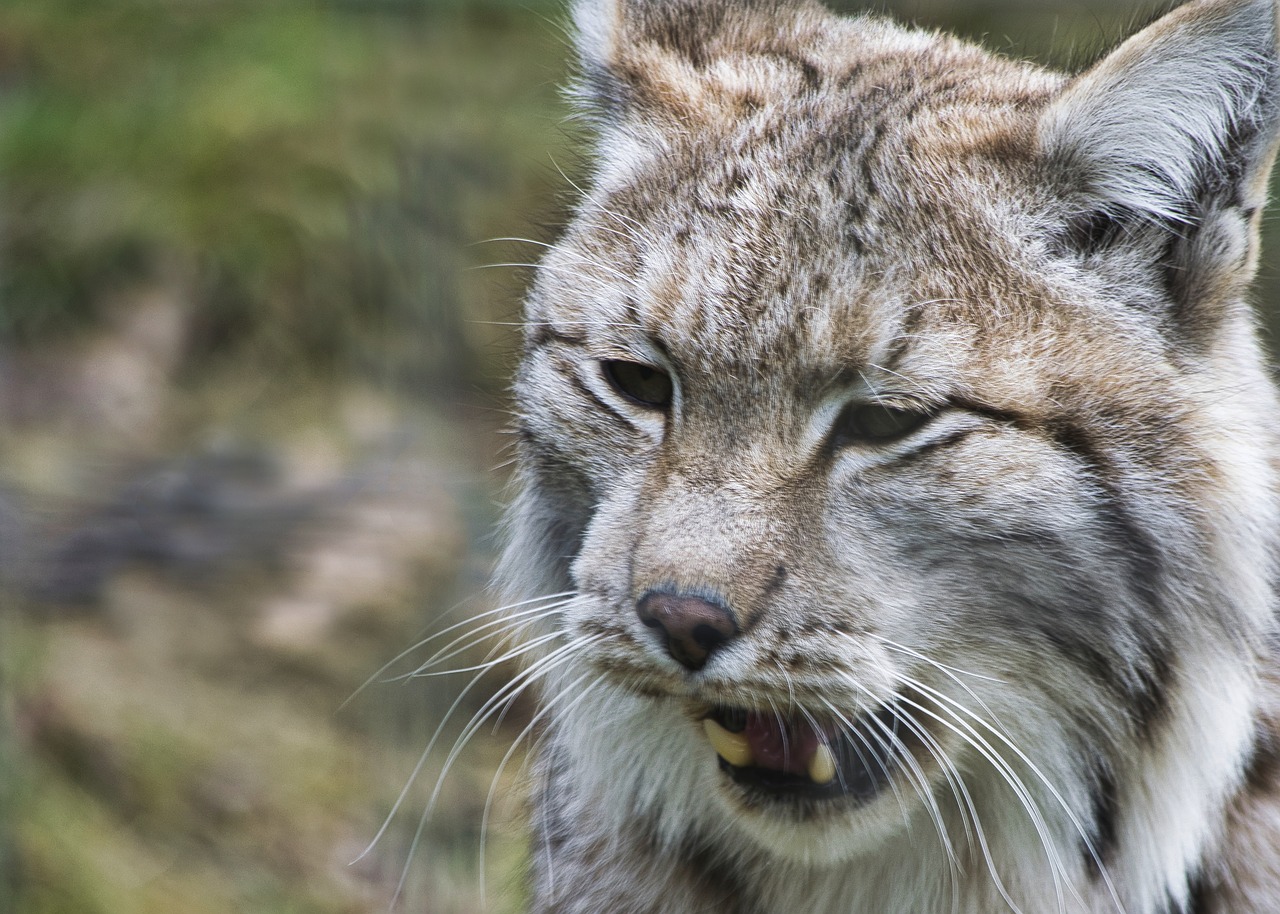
column 781, row 744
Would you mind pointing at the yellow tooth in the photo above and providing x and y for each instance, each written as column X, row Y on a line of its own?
column 822, row 767
column 732, row 747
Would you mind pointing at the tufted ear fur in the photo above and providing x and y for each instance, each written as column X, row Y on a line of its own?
column 599, row 30
column 1188, row 102
column 1166, row 144
column 644, row 52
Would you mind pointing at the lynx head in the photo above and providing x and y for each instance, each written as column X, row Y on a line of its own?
column 894, row 416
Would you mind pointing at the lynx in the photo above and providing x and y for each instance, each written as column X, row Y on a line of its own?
column 896, row 515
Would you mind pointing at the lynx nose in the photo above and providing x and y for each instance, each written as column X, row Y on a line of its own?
column 691, row 627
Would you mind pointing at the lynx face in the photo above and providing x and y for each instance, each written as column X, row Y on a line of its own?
column 892, row 415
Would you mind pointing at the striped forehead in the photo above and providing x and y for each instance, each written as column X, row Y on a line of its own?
column 762, row 304
column 739, row 259
column 729, row 291
column 796, row 227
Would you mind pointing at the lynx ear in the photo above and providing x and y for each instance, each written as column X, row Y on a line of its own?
column 616, row 41
column 633, row 50
column 606, row 29
column 600, row 31
column 597, row 30
column 1183, row 111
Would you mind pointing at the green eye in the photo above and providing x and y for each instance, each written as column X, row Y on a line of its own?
column 876, row 423
column 642, row 384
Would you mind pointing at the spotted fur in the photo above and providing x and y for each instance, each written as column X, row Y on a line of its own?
column 1060, row 576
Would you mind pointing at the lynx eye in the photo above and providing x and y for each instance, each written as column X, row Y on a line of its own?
column 876, row 423
column 642, row 384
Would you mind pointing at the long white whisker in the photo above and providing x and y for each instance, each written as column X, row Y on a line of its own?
column 504, row 628
column 587, row 280
column 417, row 768
column 967, row 733
column 959, row 791
column 434, row 635
column 893, row 743
column 1053, row 790
column 570, row 691
column 952, row 673
column 624, row 220
column 953, row 670
column 857, row 735
column 567, row 252
column 518, row 240
column 782, row 728
column 517, row 685
column 525, row 648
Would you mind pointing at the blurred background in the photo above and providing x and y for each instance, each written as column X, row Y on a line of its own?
column 254, row 347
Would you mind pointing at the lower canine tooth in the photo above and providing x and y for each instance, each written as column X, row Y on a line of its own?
column 822, row 767
column 732, row 747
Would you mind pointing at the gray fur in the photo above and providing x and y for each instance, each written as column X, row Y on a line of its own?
column 1062, row 579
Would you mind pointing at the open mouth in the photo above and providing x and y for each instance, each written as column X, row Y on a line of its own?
column 798, row 757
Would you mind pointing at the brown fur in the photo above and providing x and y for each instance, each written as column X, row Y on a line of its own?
column 795, row 216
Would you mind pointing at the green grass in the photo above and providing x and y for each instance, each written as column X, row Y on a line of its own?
column 312, row 173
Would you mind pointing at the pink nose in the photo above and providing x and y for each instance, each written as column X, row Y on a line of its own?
column 692, row 628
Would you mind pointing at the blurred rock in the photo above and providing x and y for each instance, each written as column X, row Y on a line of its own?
column 114, row 382
column 13, row 537
column 396, row 528
column 190, row 518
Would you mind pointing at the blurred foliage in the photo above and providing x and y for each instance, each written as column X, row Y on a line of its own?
column 291, row 194
column 311, row 170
